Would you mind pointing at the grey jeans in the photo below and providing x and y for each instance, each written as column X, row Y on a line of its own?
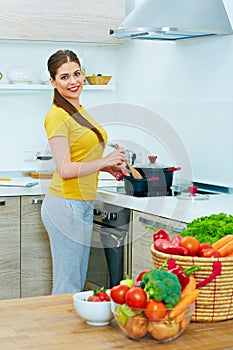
column 69, row 225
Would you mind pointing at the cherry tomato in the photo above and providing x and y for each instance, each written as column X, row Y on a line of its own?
column 93, row 298
column 136, row 298
column 204, row 246
column 210, row 253
column 190, row 243
column 103, row 296
column 155, row 310
column 117, row 293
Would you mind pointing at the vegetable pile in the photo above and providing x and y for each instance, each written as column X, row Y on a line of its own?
column 199, row 244
column 156, row 303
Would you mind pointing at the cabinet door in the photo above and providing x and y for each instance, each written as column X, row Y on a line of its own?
column 142, row 238
column 82, row 21
column 9, row 247
column 36, row 268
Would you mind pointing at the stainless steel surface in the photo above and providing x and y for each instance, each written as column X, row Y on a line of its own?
column 174, row 20
column 109, row 251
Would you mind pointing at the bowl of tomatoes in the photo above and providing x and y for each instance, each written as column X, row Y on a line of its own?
column 94, row 306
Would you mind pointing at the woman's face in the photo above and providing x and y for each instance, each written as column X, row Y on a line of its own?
column 69, row 82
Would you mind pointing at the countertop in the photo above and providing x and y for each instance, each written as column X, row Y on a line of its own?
column 51, row 323
column 184, row 210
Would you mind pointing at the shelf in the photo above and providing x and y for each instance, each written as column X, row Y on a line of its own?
column 37, row 88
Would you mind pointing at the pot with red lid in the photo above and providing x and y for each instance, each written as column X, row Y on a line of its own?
column 156, row 181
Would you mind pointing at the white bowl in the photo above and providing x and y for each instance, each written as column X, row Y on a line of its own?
column 94, row 313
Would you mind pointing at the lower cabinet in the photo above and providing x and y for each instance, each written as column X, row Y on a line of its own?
column 9, row 247
column 25, row 259
column 36, row 266
column 142, row 238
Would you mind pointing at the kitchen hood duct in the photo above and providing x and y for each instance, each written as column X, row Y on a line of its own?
column 174, row 20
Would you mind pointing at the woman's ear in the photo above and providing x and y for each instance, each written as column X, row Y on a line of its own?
column 52, row 81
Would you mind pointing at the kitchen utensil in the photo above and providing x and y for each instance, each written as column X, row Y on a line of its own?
column 165, row 175
column 134, row 172
column 19, row 75
column 94, row 313
column 139, row 327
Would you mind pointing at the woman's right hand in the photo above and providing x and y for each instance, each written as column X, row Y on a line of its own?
column 117, row 157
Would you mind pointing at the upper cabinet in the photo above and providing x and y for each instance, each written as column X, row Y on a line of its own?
column 78, row 21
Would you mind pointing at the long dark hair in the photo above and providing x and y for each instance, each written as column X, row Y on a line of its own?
column 54, row 62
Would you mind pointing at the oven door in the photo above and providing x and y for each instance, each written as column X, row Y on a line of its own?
column 108, row 257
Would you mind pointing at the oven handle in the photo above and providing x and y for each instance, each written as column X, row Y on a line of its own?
column 117, row 235
column 161, row 226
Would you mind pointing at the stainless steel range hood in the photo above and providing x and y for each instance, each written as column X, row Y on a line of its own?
column 174, row 20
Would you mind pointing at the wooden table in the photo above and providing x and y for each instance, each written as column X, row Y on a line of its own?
column 51, row 323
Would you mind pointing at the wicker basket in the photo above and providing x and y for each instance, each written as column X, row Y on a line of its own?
column 98, row 79
column 214, row 280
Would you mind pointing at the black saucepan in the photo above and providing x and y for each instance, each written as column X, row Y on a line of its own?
column 156, row 181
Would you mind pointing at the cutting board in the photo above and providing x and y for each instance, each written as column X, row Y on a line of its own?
column 18, row 182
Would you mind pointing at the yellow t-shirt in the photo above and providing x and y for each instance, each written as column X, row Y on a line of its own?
column 84, row 146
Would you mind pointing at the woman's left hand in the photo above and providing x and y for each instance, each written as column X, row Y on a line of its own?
column 118, row 171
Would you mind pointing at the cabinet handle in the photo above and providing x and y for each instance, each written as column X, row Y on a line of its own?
column 37, row 201
column 161, row 226
column 2, row 202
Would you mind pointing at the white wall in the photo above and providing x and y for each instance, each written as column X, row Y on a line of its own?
column 22, row 114
column 188, row 83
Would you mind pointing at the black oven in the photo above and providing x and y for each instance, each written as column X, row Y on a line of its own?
column 109, row 251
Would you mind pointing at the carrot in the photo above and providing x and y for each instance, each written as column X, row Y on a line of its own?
column 189, row 287
column 180, row 317
column 183, row 323
column 222, row 241
column 183, row 303
column 226, row 249
column 229, row 255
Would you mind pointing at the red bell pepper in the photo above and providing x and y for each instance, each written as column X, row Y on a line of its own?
column 165, row 246
column 159, row 233
column 183, row 275
column 139, row 278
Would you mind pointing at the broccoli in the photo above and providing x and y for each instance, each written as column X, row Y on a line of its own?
column 162, row 286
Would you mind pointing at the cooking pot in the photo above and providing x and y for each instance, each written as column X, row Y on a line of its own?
column 156, row 181
column 140, row 187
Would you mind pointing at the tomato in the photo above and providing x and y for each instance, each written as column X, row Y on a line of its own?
column 93, row 298
column 155, row 310
column 136, row 298
column 103, row 296
column 210, row 253
column 190, row 243
column 117, row 293
column 204, row 246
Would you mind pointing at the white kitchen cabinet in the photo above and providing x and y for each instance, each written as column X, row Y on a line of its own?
column 142, row 238
column 79, row 21
column 36, row 265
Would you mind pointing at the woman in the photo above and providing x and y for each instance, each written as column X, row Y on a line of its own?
column 77, row 144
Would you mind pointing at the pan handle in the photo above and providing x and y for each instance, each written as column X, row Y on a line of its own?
column 174, row 169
